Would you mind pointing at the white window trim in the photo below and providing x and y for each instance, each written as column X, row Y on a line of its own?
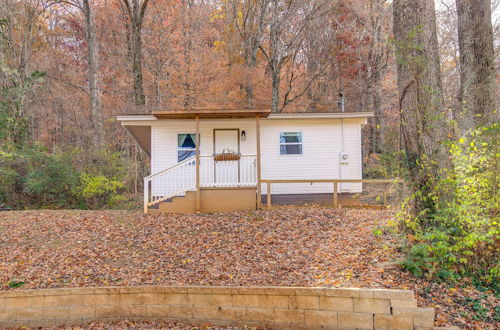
column 292, row 143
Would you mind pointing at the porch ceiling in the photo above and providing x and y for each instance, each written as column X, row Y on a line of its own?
column 211, row 113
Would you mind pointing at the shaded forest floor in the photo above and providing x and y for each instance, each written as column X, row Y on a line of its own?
column 291, row 247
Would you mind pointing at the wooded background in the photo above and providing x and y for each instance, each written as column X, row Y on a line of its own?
column 68, row 67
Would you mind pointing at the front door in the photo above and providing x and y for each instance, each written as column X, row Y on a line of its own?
column 226, row 171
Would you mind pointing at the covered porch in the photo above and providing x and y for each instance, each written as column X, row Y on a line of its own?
column 218, row 165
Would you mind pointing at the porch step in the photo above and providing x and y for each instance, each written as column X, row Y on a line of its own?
column 227, row 199
column 184, row 204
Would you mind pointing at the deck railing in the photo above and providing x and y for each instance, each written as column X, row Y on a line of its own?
column 228, row 173
column 334, row 182
column 181, row 177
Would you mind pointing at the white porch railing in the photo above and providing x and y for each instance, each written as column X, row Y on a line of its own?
column 181, row 177
column 228, row 173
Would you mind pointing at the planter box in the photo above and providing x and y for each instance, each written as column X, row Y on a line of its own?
column 227, row 157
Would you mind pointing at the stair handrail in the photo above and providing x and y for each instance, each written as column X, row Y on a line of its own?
column 187, row 160
column 151, row 177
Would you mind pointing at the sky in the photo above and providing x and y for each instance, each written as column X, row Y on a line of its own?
column 441, row 4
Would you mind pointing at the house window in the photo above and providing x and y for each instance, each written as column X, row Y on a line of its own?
column 291, row 143
column 186, row 146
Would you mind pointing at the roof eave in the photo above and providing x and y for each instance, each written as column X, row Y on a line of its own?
column 320, row 115
column 211, row 114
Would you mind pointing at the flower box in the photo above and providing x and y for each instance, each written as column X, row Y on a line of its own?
column 227, row 157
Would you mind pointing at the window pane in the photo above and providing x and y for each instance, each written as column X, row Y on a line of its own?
column 186, row 141
column 291, row 149
column 291, row 137
column 185, row 154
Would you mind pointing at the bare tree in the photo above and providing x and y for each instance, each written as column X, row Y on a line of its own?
column 135, row 11
column 287, row 22
column 477, row 64
column 377, row 65
column 93, row 67
column 20, row 27
column 248, row 17
column 423, row 116
column 96, row 116
column 186, row 51
column 446, row 18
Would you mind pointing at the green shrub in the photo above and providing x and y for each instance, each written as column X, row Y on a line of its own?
column 108, row 163
column 7, row 176
column 51, row 179
column 33, row 177
column 384, row 165
column 461, row 237
column 99, row 191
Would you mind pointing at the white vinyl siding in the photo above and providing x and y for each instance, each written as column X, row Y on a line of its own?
column 322, row 145
column 321, row 148
column 164, row 138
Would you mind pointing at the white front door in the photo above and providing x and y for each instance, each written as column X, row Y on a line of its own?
column 226, row 141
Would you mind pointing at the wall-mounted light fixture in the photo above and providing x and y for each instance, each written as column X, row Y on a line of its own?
column 243, row 135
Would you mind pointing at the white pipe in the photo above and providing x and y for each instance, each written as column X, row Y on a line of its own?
column 341, row 152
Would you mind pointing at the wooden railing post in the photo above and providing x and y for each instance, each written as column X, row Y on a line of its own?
column 335, row 194
column 146, row 195
column 198, row 193
column 269, row 195
column 259, row 170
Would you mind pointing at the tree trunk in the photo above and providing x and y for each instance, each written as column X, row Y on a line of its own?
column 378, row 124
column 135, row 11
column 377, row 59
column 421, row 103
column 254, row 31
column 92, row 59
column 275, row 101
column 136, row 48
column 274, row 64
column 251, row 49
column 477, row 65
column 188, row 43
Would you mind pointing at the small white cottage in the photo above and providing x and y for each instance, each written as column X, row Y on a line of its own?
column 216, row 160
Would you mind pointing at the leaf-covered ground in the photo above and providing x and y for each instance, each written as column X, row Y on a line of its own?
column 142, row 325
column 293, row 247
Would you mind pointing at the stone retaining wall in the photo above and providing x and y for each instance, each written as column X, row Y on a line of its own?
column 276, row 307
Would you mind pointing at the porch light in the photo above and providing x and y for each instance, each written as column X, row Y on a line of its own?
column 243, row 135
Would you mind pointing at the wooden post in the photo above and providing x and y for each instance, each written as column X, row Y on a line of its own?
column 335, row 194
column 269, row 204
column 146, row 195
column 198, row 202
column 257, row 133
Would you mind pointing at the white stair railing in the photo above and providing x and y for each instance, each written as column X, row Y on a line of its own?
column 170, row 182
column 181, row 177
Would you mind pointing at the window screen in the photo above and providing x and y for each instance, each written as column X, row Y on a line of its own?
column 291, row 143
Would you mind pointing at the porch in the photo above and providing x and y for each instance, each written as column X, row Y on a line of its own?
column 217, row 176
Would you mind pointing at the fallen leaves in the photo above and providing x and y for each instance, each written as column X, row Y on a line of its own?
column 135, row 325
column 290, row 247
